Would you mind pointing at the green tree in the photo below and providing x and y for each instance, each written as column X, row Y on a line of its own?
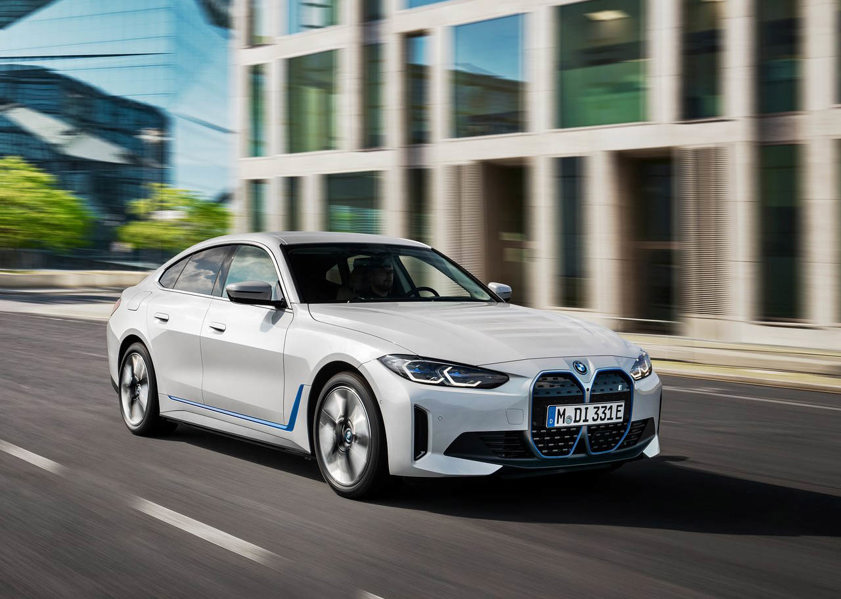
column 35, row 213
column 173, row 219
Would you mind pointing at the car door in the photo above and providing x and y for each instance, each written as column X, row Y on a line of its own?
column 242, row 345
column 174, row 322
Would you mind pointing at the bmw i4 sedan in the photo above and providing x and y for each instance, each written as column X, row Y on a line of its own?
column 379, row 356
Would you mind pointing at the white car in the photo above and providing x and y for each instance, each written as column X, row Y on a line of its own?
column 380, row 356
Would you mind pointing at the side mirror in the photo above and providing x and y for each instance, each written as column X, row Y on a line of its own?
column 253, row 292
column 502, row 290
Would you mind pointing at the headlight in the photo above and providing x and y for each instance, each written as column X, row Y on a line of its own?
column 446, row 374
column 642, row 367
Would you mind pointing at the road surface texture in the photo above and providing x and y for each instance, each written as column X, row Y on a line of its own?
column 744, row 502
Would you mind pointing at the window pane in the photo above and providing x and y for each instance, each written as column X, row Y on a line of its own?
column 257, row 205
column 312, row 102
column 780, row 231
column 306, row 15
column 702, row 36
column 293, row 204
column 372, row 96
column 417, row 88
column 257, row 110
column 200, row 273
column 258, row 22
column 601, row 66
column 171, row 275
column 419, row 204
column 372, row 10
column 570, row 189
column 353, row 202
column 253, row 264
column 488, row 77
column 779, row 62
column 416, row 3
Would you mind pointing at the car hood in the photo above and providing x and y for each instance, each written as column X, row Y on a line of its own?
column 476, row 333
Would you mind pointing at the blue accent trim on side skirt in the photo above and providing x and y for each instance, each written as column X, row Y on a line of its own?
column 284, row 427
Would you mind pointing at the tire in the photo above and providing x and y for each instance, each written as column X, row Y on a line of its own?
column 137, row 394
column 349, row 438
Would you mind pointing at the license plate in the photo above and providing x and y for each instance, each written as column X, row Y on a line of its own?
column 579, row 415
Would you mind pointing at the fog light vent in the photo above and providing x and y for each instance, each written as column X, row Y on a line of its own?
column 421, row 433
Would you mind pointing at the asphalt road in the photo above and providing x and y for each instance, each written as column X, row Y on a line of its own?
column 744, row 502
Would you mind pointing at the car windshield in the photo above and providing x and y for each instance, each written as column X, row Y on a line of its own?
column 355, row 272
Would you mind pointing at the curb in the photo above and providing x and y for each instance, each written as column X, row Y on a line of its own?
column 766, row 378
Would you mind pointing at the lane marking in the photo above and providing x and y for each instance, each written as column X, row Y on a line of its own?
column 207, row 532
column 366, row 595
column 796, row 404
column 32, row 458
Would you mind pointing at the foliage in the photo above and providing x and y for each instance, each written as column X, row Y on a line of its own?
column 173, row 219
column 35, row 213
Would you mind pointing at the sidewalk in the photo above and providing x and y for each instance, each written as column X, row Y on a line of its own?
column 776, row 366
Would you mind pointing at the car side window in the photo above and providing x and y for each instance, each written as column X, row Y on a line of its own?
column 253, row 264
column 170, row 275
column 201, row 271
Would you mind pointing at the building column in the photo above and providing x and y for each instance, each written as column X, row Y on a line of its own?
column 395, row 196
column 540, row 220
column 664, row 39
column 276, row 203
column 440, row 56
column 739, row 100
column 313, row 205
column 819, row 184
column 350, row 78
column 601, row 222
column 539, row 57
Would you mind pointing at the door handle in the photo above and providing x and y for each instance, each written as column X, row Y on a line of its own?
column 218, row 326
column 163, row 317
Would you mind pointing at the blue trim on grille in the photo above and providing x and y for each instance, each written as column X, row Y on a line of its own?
column 581, row 432
column 284, row 427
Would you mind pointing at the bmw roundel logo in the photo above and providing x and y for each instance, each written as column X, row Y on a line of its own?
column 580, row 367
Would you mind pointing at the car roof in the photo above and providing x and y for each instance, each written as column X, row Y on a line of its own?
column 307, row 237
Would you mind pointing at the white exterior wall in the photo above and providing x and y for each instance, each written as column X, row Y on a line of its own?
column 817, row 128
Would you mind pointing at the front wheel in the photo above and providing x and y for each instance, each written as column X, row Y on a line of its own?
column 349, row 437
column 138, row 393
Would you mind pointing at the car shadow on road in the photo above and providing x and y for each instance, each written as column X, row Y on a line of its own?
column 243, row 449
column 664, row 493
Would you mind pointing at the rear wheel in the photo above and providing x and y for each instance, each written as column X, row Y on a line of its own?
column 349, row 437
column 138, row 393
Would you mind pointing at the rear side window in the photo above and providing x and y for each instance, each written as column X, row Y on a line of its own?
column 171, row 274
column 252, row 264
column 201, row 271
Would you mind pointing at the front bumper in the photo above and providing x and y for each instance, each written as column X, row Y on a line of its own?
column 477, row 432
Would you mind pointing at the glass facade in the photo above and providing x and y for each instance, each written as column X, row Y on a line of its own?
column 778, row 56
column 487, row 77
column 293, row 204
column 420, row 226
column 257, row 205
column 257, row 110
column 571, row 241
column 258, row 23
column 306, row 15
column 779, row 221
column 417, row 88
column 311, row 102
column 701, row 55
column 372, row 92
column 167, row 54
column 372, row 10
column 416, row 3
column 601, row 63
column 353, row 202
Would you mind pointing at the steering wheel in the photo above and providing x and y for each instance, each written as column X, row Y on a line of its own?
column 416, row 291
